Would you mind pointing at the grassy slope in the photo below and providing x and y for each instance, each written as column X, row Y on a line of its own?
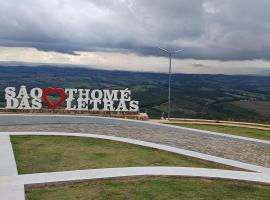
column 58, row 153
column 153, row 188
column 247, row 132
column 262, row 107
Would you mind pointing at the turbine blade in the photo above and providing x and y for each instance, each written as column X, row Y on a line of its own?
column 162, row 49
column 178, row 50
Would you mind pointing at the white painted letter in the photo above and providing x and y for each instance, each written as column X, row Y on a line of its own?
column 134, row 106
column 125, row 94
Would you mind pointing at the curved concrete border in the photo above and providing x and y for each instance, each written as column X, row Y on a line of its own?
column 7, row 159
column 13, row 189
column 140, row 171
column 194, row 154
column 11, row 186
column 22, row 119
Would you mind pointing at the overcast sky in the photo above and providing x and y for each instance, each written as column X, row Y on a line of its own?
column 219, row 36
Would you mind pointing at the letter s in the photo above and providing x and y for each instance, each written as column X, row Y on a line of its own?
column 10, row 92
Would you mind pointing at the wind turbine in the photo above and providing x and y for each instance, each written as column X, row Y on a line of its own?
column 170, row 53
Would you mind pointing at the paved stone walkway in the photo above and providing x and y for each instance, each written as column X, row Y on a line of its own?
column 187, row 141
column 223, row 161
column 226, row 147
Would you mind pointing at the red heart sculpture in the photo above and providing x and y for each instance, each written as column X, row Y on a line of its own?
column 50, row 90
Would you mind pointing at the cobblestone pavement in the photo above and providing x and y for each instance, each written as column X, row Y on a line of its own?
column 235, row 149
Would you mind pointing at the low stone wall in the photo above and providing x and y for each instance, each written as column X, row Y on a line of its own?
column 126, row 115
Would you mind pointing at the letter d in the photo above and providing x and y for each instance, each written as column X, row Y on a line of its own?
column 12, row 103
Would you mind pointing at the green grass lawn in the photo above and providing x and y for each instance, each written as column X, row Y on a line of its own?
column 59, row 153
column 247, row 132
column 152, row 188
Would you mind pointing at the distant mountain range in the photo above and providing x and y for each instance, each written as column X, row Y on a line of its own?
column 244, row 98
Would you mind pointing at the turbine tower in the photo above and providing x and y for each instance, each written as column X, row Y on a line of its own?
column 170, row 54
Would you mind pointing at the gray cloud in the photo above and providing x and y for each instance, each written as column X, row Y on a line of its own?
column 198, row 65
column 207, row 29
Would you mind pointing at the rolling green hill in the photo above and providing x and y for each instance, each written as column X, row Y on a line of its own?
column 243, row 98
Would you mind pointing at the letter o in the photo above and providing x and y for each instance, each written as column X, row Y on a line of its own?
column 36, row 93
column 94, row 94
